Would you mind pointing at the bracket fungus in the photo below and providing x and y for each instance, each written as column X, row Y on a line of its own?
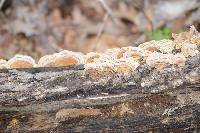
column 3, row 64
column 165, row 46
column 91, row 57
column 160, row 60
column 21, row 61
column 155, row 54
column 64, row 58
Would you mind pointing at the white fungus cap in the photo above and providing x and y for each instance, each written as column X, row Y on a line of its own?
column 24, row 58
column 46, row 60
column 165, row 45
column 3, row 64
column 156, row 58
column 77, row 55
column 91, row 57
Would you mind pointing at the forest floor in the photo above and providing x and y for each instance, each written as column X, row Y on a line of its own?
column 37, row 28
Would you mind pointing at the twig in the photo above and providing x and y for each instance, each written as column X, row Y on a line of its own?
column 1, row 4
column 108, row 10
column 109, row 13
column 53, row 45
column 102, row 26
column 2, row 15
column 101, row 30
column 106, row 7
column 146, row 4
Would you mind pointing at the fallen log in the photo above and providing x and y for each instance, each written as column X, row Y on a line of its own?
column 63, row 99
column 154, row 87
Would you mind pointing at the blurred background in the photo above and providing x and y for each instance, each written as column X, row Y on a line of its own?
column 39, row 27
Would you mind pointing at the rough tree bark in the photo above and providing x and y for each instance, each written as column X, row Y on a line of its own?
column 65, row 100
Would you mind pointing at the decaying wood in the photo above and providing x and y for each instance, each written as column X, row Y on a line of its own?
column 66, row 100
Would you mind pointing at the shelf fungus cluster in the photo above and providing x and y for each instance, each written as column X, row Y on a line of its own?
column 64, row 58
column 156, row 54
